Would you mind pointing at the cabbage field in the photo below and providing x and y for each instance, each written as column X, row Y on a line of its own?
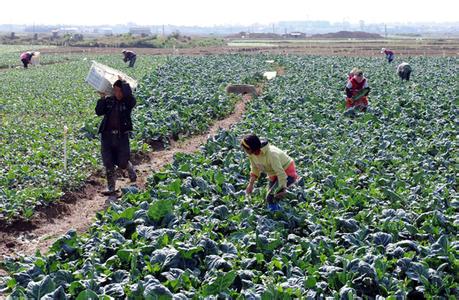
column 37, row 104
column 376, row 215
column 9, row 55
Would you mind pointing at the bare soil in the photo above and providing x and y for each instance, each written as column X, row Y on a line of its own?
column 326, row 47
column 77, row 209
column 334, row 47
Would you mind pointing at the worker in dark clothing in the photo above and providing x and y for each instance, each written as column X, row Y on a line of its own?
column 404, row 71
column 114, row 130
column 26, row 57
column 129, row 56
column 389, row 54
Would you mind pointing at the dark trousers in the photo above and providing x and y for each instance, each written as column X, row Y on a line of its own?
column 25, row 62
column 405, row 74
column 390, row 57
column 273, row 185
column 132, row 61
column 115, row 150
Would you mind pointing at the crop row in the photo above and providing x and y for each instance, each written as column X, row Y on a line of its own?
column 9, row 56
column 35, row 105
column 185, row 94
column 375, row 216
column 180, row 98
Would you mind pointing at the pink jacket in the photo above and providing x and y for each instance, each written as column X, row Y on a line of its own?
column 26, row 55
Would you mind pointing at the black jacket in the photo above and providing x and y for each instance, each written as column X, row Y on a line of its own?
column 105, row 105
column 128, row 55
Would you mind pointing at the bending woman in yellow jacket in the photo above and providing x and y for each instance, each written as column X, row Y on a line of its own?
column 266, row 158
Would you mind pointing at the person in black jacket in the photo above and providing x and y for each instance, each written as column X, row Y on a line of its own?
column 114, row 130
column 404, row 71
column 129, row 56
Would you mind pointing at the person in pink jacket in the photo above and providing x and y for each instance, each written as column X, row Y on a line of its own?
column 26, row 57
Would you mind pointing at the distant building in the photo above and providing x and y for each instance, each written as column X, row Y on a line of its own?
column 69, row 30
column 140, row 30
column 106, row 31
column 296, row 35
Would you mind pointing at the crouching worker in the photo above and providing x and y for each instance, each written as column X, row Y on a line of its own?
column 269, row 159
column 26, row 58
column 129, row 56
column 356, row 91
column 404, row 71
column 114, row 130
column 390, row 56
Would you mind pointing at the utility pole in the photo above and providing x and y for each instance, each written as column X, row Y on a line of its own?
column 273, row 29
column 385, row 30
column 163, row 29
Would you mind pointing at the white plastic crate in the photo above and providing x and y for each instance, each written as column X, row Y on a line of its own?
column 35, row 60
column 270, row 75
column 102, row 78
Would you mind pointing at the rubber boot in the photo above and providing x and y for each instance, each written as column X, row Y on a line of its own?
column 273, row 207
column 131, row 172
column 111, row 182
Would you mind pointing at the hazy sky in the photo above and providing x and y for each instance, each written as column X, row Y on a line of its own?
column 208, row 12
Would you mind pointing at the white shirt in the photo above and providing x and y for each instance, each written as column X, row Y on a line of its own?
column 402, row 66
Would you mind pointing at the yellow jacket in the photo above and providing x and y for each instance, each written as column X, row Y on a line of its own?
column 272, row 161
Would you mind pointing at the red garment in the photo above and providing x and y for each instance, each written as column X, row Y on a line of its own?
column 361, row 102
column 25, row 55
column 388, row 52
column 356, row 86
column 290, row 171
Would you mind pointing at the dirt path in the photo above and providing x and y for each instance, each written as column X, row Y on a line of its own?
column 77, row 210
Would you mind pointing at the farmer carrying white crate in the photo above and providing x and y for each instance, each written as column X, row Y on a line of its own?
column 129, row 56
column 26, row 58
column 114, row 130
